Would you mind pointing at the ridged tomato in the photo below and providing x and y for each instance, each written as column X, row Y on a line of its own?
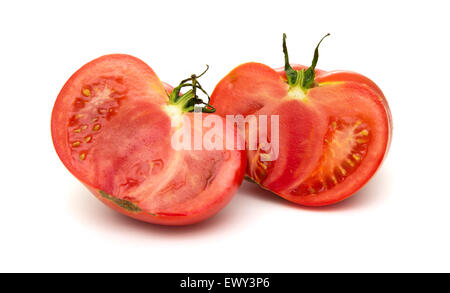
column 334, row 128
column 112, row 125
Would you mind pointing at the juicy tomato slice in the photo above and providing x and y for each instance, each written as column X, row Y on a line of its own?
column 303, row 145
column 331, row 139
column 354, row 144
column 112, row 130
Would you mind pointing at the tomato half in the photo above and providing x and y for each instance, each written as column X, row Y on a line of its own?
column 112, row 125
column 333, row 134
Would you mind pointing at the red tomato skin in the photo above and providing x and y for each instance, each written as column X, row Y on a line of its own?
column 158, row 95
column 264, row 84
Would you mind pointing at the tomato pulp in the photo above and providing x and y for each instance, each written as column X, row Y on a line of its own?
column 112, row 125
column 334, row 128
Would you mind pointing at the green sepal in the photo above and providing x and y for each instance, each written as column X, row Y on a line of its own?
column 291, row 74
column 301, row 78
column 310, row 74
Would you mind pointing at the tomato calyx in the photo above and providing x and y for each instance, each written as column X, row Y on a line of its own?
column 300, row 80
column 186, row 102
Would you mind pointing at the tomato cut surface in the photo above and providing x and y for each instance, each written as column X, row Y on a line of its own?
column 112, row 130
column 332, row 137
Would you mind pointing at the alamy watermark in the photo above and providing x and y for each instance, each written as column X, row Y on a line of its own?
column 252, row 130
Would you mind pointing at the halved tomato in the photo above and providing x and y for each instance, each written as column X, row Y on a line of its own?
column 334, row 128
column 112, row 125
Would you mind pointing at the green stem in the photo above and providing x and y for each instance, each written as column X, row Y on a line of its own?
column 187, row 101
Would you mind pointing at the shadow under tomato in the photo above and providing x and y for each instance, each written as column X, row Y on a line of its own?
column 369, row 195
column 85, row 207
column 88, row 209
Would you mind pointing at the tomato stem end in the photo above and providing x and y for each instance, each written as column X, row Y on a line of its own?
column 303, row 79
column 187, row 101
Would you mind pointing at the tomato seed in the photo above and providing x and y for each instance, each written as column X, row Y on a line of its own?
column 350, row 162
column 86, row 92
column 364, row 132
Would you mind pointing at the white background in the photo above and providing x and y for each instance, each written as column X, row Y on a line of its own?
column 398, row 223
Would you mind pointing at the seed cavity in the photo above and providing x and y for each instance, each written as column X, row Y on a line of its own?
column 102, row 95
column 79, row 103
column 345, row 144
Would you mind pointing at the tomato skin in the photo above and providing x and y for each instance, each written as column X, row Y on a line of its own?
column 123, row 143
column 337, row 94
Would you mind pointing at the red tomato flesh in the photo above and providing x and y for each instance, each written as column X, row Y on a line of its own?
column 112, row 130
column 332, row 138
